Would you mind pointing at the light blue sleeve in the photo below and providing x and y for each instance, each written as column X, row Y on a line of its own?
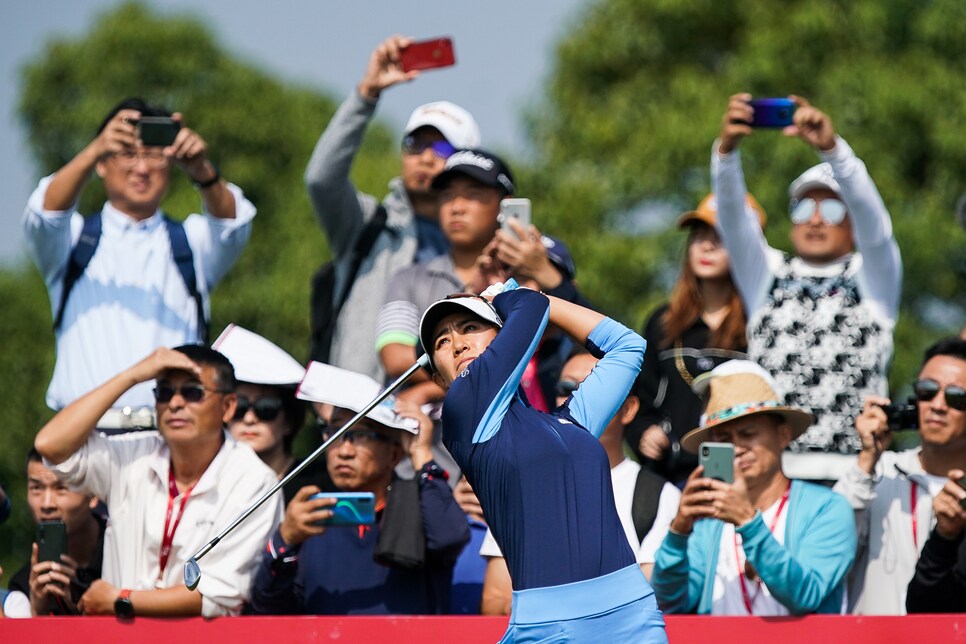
column 602, row 393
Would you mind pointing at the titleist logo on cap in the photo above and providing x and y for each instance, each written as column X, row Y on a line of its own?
column 469, row 158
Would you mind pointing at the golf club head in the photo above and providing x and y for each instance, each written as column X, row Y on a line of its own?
column 192, row 574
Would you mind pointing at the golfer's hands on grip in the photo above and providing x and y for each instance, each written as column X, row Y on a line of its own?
column 303, row 516
column 709, row 498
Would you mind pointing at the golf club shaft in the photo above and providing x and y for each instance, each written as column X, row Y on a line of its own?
column 422, row 362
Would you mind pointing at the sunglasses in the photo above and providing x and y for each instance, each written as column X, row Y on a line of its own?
column 565, row 388
column 367, row 438
column 266, row 408
column 442, row 149
column 832, row 211
column 190, row 393
column 926, row 390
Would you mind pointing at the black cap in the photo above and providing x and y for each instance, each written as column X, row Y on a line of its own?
column 479, row 165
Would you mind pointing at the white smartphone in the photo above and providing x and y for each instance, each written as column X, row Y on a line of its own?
column 518, row 209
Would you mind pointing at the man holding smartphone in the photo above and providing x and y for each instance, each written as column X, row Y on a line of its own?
column 310, row 568
column 129, row 279
column 52, row 583
column 820, row 321
column 410, row 231
column 766, row 544
column 893, row 493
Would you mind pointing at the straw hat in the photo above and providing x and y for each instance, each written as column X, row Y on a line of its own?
column 737, row 389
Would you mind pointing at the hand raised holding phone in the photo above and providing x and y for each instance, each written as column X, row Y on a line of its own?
column 398, row 59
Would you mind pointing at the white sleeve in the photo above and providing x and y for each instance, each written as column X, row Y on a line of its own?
column 50, row 235
column 881, row 261
column 96, row 467
column 217, row 243
column 667, row 508
column 16, row 605
column 489, row 547
column 752, row 259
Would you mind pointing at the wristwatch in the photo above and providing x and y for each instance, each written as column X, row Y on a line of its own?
column 123, row 607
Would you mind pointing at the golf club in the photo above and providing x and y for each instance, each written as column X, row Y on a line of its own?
column 192, row 571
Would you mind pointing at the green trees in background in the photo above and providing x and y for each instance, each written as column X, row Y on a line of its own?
column 260, row 133
column 622, row 136
column 636, row 98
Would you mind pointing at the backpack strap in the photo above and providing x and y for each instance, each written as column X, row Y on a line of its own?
column 80, row 257
column 367, row 239
column 647, row 497
column 184, row 260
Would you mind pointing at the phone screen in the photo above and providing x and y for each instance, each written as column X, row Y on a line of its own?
column 428, row 54
column 350, row 508
column 718, row 460
column 51, row 540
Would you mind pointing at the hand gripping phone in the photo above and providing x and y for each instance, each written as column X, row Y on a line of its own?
column 157, row 131
column 518, row 209
column 718, row 460
column 351, row 508
column 428, row 54
column 772, row 112
column 51, row 540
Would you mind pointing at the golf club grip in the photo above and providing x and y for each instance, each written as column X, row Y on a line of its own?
column 422, row 362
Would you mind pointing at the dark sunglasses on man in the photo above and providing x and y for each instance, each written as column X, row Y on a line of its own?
column 927, row 389
column 565, row 388
column 191, row 393
column 265, row 408
column 441, row 148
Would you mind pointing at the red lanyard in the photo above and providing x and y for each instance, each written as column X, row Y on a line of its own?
column 168, row 537
column 748, row 600
column 913, row 493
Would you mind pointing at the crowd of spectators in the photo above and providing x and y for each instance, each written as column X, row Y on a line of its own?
column 159, row 441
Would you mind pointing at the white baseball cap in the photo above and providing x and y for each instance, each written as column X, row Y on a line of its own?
column 819, row 176
column 447, row 306
column 456, row 124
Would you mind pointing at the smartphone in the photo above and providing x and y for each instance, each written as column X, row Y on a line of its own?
column 962, row 484
column 351, row 508
column 157, row 130
column 428, row 54
column 718, row 460
column 518, row 209
column 772, row 112
column 51, row 540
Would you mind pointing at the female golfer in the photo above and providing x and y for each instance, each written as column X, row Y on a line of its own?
column 543, row 479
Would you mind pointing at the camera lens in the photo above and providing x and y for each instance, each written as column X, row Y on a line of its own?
column 783, row 112
column 705, row 451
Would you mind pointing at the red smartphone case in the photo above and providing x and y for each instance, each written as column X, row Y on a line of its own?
column 428, row 54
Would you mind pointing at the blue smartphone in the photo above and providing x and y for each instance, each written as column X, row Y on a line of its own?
column 718, row 460
column 772, row 112
column 351, row 508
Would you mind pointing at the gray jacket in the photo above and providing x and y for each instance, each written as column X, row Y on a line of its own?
column 342, row 212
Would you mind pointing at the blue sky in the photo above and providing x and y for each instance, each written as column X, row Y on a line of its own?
column 504, row 51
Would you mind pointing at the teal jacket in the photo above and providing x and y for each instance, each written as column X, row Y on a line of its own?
column 807, row 574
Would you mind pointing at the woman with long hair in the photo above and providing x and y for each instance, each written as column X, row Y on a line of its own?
column 701, row 326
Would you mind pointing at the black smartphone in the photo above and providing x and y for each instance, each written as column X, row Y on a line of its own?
column 51, row 540
column 351, row 508
column 718, row 460
column 772, row 112
column 157, row 131
column 962, row 484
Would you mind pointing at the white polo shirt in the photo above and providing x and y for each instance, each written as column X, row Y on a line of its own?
column 131, row 299
column 130, row 473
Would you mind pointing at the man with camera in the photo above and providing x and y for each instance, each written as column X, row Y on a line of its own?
column 403, row 229
column 820, row 321
column 399, row 563
column 765, row 544
column 892, row 493
column 129, row 279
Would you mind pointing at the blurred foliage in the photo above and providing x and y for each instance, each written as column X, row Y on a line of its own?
column 622, row 133
column 260, row 133
column 636, row 95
